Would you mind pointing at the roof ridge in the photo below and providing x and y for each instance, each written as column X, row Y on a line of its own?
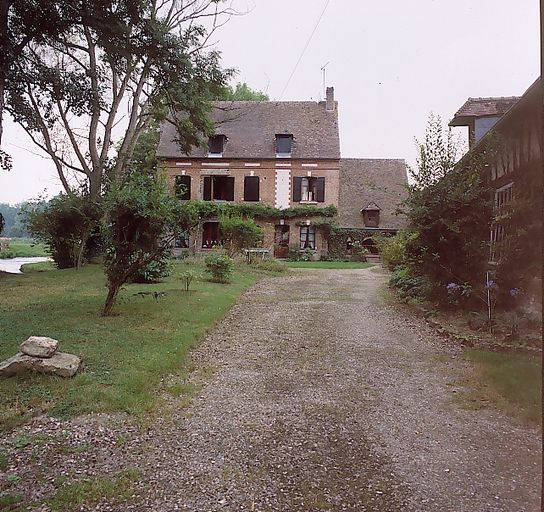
column 260, row 102
column 494, row 98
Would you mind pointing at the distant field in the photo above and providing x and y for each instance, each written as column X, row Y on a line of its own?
column 24, row 247
column 328, row 264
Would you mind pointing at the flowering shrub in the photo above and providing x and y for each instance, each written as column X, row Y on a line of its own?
column 514, row 292
column 459, row 293
column 409, row 286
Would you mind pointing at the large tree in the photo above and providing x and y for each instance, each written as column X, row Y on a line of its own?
column 85, row 94
column 22, row 22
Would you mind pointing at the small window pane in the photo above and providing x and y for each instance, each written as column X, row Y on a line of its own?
column 307, row 237
column 216, row 144
column 283, row 143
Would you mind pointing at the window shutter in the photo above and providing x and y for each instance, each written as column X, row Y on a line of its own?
column 207, row 192
column 297, row 189
column 320, row 190
column 182, row 187
column 229, row 189
column 251, row 188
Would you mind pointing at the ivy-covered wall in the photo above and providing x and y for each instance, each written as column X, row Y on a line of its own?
column 340, row 240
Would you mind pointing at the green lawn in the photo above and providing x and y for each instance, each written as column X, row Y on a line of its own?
column 125, row 356
column 512, row 381
column 24, row 247
column 328, row 264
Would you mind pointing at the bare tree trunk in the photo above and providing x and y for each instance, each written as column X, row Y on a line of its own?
column 113, row 291
column 82, row 245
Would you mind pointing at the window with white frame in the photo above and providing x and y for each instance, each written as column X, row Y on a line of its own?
column 307, row 237
column 309, row 189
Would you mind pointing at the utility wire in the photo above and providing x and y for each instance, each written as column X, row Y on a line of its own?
column 305, row 47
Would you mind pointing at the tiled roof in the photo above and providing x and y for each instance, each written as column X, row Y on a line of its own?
column 365, row 181
column 480, row 107
column 251, row 126
column 371, row 207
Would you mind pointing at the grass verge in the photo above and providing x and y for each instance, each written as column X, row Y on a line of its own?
column 511, row 382
column 24, row 248
column 90, row 492
column 328, row 264
column 124, row 356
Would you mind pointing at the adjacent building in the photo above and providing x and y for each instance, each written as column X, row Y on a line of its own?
column 509, row 131
column 510, row 140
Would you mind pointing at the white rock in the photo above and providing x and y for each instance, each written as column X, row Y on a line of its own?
column 39, row 346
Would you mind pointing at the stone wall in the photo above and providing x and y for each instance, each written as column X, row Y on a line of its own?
column 365, row 181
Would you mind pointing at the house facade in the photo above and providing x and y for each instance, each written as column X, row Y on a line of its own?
column 281, row 154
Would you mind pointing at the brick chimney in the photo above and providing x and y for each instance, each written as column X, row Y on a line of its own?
column 330, row 98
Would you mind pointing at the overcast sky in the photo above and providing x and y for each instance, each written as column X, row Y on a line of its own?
column 391, row 62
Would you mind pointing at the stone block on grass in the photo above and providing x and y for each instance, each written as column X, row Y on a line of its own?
column 39, row 346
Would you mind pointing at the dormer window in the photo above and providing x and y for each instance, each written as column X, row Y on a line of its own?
column 284, row 143
column 216, row 145
column 371, row 215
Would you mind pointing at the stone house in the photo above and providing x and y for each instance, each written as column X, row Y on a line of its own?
column 282, row 154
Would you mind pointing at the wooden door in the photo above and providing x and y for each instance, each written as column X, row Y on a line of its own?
column 281, row 241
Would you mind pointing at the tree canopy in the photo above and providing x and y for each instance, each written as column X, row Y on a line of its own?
column 242, row 92
column 85, row 94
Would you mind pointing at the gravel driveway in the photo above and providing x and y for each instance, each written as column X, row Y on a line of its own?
column 317, row 395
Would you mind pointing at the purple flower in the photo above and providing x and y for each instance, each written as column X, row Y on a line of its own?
column 490, row 284
column 452, row 286
column 514, row 292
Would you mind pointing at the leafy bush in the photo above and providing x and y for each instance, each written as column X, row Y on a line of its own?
column 68, row 225
column 7, row 253
column 238, row 233
column 187, row 277
column 154, row 270
column 183, row 255
column 449, row 215
column 271, row 266
column 393, row 248
column 459, row 294
column 408, row 285
column 220, row 266
column 295, row 254
column 358, row 252
column 327, row 257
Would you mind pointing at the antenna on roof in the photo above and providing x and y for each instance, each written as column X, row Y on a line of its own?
column 324, row 84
